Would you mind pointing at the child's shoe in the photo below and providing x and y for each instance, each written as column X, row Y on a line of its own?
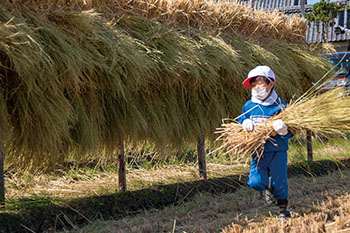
column 284, row 212
column 269, row 198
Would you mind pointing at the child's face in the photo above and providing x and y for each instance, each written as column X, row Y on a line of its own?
column 260, row 82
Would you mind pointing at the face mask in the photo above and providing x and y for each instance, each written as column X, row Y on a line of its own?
column 260, row 94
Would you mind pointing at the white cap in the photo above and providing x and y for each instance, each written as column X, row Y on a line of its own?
column 265, row 71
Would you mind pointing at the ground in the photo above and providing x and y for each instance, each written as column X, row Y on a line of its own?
column 170, row 198
column 318, row 204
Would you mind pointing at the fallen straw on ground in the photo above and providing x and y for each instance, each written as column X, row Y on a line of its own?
column 322, row 114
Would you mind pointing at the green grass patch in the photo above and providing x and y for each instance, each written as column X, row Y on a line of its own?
column 323, row 148
column 28, row 203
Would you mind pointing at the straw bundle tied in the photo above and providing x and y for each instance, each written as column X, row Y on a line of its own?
column 323, row 114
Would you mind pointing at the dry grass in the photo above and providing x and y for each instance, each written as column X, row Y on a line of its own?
column 214, row 212
column 204, row 15
column 332, row 214
column 81, row 183
column 317, row 203
column 331, row 150
column 78, row 83
column 65, row 186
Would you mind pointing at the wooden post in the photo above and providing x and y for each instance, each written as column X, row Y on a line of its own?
column 309, row 145
column 2, row 179
column 121, row 168
column 201, row 158
column 302, row 8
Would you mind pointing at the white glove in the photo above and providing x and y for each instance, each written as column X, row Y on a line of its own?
column 248, row 125
column 280, row 127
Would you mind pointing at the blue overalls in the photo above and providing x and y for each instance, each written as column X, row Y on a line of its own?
column 272, row 166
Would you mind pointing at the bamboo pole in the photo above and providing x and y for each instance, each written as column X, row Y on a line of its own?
column 121, row 168
column 201, row 158
column 2, row 179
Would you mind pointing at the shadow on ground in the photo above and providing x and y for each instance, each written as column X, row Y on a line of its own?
column 49, row 217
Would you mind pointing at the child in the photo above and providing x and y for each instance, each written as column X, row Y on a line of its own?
column 268, row 174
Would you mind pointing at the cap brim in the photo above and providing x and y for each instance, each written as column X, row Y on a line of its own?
column 246, row 82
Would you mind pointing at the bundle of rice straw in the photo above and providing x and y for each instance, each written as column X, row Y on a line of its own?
column 322, row 114
column 219, row 15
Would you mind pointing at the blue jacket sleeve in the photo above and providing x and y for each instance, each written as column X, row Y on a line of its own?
column 243, row 116
column 288, row 135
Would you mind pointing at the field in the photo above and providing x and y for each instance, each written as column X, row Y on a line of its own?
column 82, row 79
column 319, row 204
column 168, row 197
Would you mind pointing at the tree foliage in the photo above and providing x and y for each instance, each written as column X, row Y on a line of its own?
column 324, row 12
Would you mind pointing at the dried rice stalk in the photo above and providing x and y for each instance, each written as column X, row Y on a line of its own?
column 75, row 83
column 323, row 114
column 218, row 17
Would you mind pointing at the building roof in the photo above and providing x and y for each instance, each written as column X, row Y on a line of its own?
column 291, row 7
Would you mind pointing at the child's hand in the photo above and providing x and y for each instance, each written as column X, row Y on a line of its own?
column 280, row 127
column 248, row 125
